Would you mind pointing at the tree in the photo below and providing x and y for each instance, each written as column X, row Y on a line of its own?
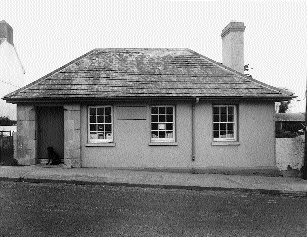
column 5, row 121
column 284, row 106
column 246, row 69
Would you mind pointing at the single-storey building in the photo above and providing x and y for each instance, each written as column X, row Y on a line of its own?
column 151, row 108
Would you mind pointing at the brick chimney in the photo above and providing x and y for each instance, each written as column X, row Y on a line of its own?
column 6, row 32
column 233, row 46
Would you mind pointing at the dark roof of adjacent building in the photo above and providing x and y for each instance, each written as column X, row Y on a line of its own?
column 144, row 72
column 290, row 117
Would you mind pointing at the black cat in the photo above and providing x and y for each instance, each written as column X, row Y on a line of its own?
column 53, row 157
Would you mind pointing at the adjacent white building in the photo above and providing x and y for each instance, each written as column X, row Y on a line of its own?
column 11, row 69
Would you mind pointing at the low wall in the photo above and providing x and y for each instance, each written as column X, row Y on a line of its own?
column 290, row 151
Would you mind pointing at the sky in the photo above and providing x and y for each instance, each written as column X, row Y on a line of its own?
column 49, row 34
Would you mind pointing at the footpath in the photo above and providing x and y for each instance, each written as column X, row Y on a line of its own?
column 104, row 176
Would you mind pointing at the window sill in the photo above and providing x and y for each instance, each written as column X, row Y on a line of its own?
column 226, row 143
column 163, row 144
column 100, row 144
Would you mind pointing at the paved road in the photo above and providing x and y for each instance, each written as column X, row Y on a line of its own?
column 29, row 209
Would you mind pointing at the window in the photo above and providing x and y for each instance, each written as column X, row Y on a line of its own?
column 162, row 123
column 224, row 123
column 100, row 124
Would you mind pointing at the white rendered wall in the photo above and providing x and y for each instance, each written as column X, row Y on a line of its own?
column 11, row 77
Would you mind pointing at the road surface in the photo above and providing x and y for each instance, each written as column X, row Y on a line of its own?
column 29, row 209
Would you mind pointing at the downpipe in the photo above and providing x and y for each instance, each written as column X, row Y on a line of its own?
column 193, row 134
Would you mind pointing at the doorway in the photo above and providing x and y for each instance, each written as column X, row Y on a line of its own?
column 50, row 124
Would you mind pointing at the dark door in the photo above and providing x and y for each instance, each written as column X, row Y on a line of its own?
column 50, row 131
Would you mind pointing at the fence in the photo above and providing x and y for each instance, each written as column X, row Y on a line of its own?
column 6, row 150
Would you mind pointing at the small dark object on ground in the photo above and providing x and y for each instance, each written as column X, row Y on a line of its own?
column 53, row 157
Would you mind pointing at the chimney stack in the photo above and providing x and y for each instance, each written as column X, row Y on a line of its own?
column 6, row 32
column 233, row 46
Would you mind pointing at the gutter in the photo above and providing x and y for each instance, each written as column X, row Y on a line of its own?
column 137, row 98
column 193, row 132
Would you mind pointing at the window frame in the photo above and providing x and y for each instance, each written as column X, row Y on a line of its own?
column 97, row 141
column 235, row 123
column 163, row 140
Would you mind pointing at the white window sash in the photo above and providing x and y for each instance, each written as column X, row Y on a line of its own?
column 234, row 125
column 174, row 125
column 91, row 140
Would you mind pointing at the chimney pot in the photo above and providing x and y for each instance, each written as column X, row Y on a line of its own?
column 6, row 32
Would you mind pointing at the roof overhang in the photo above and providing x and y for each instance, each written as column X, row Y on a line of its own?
column 78, row 100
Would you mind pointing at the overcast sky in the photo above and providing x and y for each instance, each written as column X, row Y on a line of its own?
column 49, row 34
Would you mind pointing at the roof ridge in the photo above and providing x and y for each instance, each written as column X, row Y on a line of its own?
column 246, row 77
column 48, row 75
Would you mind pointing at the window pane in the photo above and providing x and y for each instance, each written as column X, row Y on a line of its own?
column 223, row 126
column 161, row 110
column 230, row 118
column 100, row 111
column 108, row 135
column 169, row 134
column 223, row 110
column 154, row 118
column 230, row 134
column 216, row 126
column 92, row 119
column 161, row 126
column 216, row 134
column 108, row 127
column 93, row 127
column 108, row 119
column 100, row 127
column 169, row 110
column 230, row 126
column 169, row 118
column 169, row 126
column 154, row 134
column 161, row 118
column 154, row 126
column 154, row 110
column 216, row 118
column 215, row 110
column 101, row 136
column 161, row 134
column 92, row 111
column 223, row 118
column 100, row 119
column 93, row 136
column 222, row 134
column 108, row 111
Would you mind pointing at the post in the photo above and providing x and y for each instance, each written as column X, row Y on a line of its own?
column 304, row 168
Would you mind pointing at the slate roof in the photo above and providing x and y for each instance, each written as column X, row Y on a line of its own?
column 144, row 73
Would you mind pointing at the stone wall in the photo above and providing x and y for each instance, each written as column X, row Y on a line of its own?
column 72, row 151
column 26, row 135
column 290, row 151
